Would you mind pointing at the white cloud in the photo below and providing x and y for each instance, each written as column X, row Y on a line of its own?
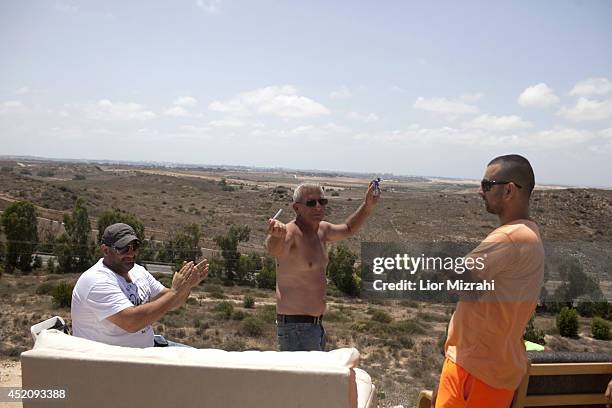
column 561, row 136
column 209, row 6
column 282, row 101
column 363, row 117
column 311, row 133
column 471, row 97
column 225, row 123
column 11, row 107
column 538, row 96
column 592, row 86
column 66, row 8
column 332, row 127
column 104, row 109
column 444, row 105
column 477, row 138
column 587, row 109
column 341, row 93
column 177, row 112
column 194, row 129
column 22, row 91
column 497, row 123
column 185, row 101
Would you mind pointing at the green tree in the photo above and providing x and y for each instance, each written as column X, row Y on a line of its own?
column 342, row 272
column 266, row 278
column 229, row 248
column 114, row 216
column 75, row 248
column 20, row 227
column 248, row 265
column 183, row 246
column 576, row 282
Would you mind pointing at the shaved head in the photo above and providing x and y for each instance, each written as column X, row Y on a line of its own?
column 515, row 168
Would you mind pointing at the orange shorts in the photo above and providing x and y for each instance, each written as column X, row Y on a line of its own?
column 460, row 389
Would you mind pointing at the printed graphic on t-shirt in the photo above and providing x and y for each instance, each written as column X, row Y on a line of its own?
column 137, row 297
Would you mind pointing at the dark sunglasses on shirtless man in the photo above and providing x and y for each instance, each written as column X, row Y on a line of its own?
column 488, row 184
column 312, row 202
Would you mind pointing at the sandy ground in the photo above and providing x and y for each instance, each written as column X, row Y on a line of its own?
column 10, row 376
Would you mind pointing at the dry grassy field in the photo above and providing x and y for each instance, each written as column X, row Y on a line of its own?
column 399, row 341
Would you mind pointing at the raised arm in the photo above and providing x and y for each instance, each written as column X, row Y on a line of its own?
column 135, row 318
column 337, row 232
column 276, row 238
column 201, row 268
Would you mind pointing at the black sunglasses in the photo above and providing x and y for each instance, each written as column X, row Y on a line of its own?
column 312, row 202
column 488, row 184
column 124, row 250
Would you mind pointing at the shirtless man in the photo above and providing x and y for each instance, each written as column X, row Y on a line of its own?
column 301, row 260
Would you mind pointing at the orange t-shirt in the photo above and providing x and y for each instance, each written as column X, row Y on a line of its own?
column 485, row 336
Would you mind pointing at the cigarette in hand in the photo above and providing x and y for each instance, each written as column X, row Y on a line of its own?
column 277, row 214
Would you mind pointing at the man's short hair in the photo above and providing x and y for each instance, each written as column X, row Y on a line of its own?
column 306, row 188
column 515, row 168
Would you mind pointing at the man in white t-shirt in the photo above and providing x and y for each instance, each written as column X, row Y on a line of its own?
column 116, row 301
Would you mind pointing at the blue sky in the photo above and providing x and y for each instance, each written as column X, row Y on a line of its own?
column 430, row 88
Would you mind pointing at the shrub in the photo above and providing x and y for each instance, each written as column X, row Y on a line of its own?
column 267, row 313
column 224, row 310
column 51, row 266
column 342, row 272
column 215, row 291
column 431, row 317
column 62, row 294
column 588, row 307
column 249, row 302
column 45, row 173
column 533, row 334
column 381, row 316
column 338, row 316
column 584, row 306
column 239, row 315
column 600, row 329
column 45, row 288
column 252, row 327
column 567, row 322
column 266, row 278
column 406, row 341
column 234, row 343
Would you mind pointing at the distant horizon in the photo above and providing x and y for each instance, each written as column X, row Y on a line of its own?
column 397, row 87
column 263, row 168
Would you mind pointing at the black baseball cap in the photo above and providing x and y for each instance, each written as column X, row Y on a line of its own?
column 119, row 235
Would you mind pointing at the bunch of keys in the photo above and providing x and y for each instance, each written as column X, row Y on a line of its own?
column 376, row 182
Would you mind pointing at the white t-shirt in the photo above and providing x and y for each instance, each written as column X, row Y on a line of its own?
column 100, row 293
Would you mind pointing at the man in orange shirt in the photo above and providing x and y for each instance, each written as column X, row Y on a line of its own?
column 485, row 354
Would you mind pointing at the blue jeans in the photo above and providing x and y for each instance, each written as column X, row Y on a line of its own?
column 160, row 341
column 300, row 337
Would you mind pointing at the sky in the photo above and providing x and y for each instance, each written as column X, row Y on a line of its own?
column 415, row 88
